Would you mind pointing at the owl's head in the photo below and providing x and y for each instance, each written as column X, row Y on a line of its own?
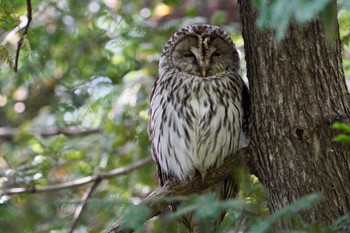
column 202, row 50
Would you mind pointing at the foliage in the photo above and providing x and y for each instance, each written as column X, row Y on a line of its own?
column 135, row 216
column 85, row 65
column 303, row 203
column 344, row 31
column 244, row 212
column 279, row 14
column 345, row 128
column 90, row 65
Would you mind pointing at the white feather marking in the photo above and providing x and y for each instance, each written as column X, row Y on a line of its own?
column 207, row 143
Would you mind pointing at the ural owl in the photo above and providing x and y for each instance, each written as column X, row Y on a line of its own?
column 199, row 108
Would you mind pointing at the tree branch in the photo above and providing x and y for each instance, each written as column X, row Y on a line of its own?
column 81, row 207
column 157, row 201
column 25, row 32
column 9, row 133
column 78, row 182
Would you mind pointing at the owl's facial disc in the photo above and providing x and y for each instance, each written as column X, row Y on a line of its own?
column 201, row 56
column 201, row 60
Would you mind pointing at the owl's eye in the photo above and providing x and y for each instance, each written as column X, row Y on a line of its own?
column 216, row 54
column 189, row 55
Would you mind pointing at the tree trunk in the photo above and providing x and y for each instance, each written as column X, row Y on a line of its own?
column 297, row 91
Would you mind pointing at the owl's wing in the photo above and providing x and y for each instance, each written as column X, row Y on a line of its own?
column 230, row 187
column 163, row 177
column 246, row 124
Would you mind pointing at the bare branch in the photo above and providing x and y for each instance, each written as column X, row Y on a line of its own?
column 157, row 201
column 9, row 133
column 78, row 182
column 25, row 32
column 80, row 208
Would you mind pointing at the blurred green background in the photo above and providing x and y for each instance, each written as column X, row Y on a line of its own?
column 87, row 67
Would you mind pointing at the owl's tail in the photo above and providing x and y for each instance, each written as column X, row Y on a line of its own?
column 208, row 226
column 225, row 190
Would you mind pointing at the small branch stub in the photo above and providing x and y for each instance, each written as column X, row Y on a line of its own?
column 25, row 32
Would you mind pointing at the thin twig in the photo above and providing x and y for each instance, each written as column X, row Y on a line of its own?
column 25, row 32
column 78, row 182
column 9, row 133
column 158, row 201
column 81, row 207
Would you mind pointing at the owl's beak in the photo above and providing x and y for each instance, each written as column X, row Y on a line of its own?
column 204, row 72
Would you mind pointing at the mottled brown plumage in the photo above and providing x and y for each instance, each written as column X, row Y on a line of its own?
column 199, row 108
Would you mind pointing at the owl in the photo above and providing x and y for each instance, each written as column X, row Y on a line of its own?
column 199, row 109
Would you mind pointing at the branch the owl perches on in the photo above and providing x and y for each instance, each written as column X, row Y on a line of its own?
column 157, row 200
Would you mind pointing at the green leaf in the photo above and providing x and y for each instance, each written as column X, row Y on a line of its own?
column 32, row 141
column 191, row 11
column 8, row 19
column 4, row 55
column 74, row 155
column 329, row 20
column 207, row 206
column 85, row 167
column 303, row 203
column 56, row 145
column 135, row 216
column 341, row 138
column 307, row 10
column 219, row 17
column 342, row 224
column 279, row 14
column 172, row 2
column 341, row 126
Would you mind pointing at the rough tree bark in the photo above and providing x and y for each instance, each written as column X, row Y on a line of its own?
column 297, row 91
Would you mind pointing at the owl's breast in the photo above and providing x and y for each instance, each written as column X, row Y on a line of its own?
column 217, row 126
column 199, row 126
